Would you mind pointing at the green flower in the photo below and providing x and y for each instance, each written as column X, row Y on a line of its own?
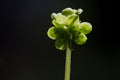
column 68, row 27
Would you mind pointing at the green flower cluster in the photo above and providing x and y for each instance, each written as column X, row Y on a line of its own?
column 67, row 27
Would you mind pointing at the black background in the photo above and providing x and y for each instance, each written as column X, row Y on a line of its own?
column 26, row 53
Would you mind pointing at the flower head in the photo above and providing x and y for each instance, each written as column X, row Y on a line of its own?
column 68, row 27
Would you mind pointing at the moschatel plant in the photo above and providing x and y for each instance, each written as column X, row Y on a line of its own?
column 67, row 28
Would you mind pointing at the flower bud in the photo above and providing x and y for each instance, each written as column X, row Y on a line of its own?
column 53, row 15
column 85, row 27
column 79, row 11
column 60, row 44
column 81, row 39
column 68, row 11
column 51, row 33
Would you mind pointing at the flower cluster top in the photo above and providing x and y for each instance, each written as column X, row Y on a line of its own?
column 67, row 27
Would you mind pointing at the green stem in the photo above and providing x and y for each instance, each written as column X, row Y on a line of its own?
column 68, row 63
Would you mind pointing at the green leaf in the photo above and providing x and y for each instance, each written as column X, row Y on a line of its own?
column 51, row 33
column 85, row 27
column 81, row 39
column 60, row 44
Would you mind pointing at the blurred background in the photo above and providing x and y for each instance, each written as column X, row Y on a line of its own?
column 26, row 53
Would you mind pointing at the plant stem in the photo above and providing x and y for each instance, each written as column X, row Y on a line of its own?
column 68, row 63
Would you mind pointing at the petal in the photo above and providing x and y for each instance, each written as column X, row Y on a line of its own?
column 56, row 24
column 60, row 44
column 79, row 11
column 73, row 20
column 51, row 33
column 61, row 19
column 68, row 11
column 85, row 27
column 81, row 39
column 53, row 15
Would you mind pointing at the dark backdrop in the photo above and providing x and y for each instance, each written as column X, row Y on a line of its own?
column 26, row 53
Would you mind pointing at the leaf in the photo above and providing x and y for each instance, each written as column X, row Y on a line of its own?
column 51, row 33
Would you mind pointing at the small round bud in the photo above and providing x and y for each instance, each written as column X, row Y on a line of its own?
column 53, row 15
column 85, row 27
column 60, row 44
column 79, row 11
column 68, row 11
column 81, row 39
column 51, row 33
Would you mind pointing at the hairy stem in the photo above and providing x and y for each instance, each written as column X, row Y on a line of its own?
column 68, row 63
